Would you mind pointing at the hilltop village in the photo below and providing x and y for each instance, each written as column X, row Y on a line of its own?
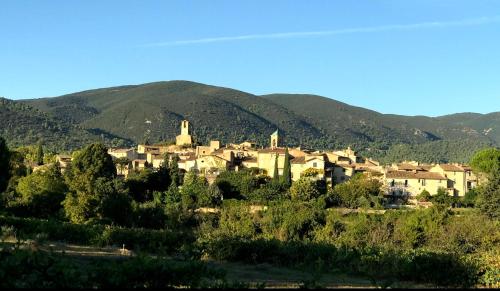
column 408, row 178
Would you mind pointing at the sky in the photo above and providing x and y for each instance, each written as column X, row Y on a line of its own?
column 425, row 57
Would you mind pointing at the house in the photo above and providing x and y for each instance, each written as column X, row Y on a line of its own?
column 460, row 179
column 128, row 153
column 412, row 183
column 64, row 162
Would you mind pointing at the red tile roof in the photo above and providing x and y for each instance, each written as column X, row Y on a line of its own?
column 413, row 175
column 451, row 168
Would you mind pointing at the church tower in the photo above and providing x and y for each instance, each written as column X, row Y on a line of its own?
column 184, row 138
column 274, row 139
column 185, row 127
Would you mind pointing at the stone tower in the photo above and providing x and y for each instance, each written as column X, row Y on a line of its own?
column 185, row 127
column 184, row 138
column 274, row 139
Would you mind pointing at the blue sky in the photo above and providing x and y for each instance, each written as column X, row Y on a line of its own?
column 426, row 57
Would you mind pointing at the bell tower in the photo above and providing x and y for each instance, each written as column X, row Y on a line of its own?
column 274, row 139
column 184, row 138
column 185, row 127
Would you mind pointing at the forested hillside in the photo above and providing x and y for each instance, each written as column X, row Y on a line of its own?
column 22, row 124
column 152, row 112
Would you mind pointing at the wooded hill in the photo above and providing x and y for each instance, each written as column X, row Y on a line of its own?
column 127, row 115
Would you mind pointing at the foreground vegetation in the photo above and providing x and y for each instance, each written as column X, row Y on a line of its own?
column 241, row 218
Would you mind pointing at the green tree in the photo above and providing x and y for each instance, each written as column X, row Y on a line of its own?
column 42, row 192
column 304, row 189
column 276, row 172
column 39, row 154
column 93, row 162
column 424, row 196
column 4, row 164
column 470, row 197
column 359, row 191
column 192, row 189
column 95, row 194
column 107, row 201
column 441, row 198
column 174, row 170
column 287, row 170
column 488, row 199
column 486, row 160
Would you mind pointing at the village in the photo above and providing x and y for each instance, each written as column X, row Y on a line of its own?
column 405, row 179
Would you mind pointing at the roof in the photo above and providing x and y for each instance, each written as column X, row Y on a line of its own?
column 120, row 150
column 426, row 167
column 298, row 160
column 269, row 150
column 408, row 167
column 451, row 168
column 467, row 168
column 250, row 160
column 414, row 175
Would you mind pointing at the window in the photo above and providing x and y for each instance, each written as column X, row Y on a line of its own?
column 343, row 170
column 315, row 165
column 406, row 183
column 423, row 182
column 392, row 183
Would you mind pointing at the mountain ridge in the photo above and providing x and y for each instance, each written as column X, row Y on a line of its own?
column 152, row 111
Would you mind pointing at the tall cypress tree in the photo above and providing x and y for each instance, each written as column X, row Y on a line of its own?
column 174, row 171
column 39, row 154
column 276, row 172
column 287, row 170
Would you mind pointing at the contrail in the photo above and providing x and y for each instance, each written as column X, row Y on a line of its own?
column 395, row 27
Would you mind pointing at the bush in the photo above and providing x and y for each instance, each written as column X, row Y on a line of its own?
column 157, row 241
column 424, row 196
column 26, row 269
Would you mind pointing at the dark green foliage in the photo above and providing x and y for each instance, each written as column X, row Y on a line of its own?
column 287, row 170
column 276, row 176
column 174, row 171
column 40, row 193
column 237, row 185
column 39, row 154
column 424, row 196
column 488, row 199
column 27, row 269
column 144, row 183
column 470, row 197
column 93, row 162
column 304, row 189
column 194, row 191
column 233, row 116
column 23, row 124
column 441, row 197
column 486, row 160
column 4, row 164
column 138, row 239
column 359, row 191
column 95, row 194
column 419, row 265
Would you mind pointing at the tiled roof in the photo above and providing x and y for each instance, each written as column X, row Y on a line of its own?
column 413, row 175
column 426, row 167
column 451, row 168
column 119, row 150
column 269, row 150
column 298, row 160
column 408, row 167
column 250, row 160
